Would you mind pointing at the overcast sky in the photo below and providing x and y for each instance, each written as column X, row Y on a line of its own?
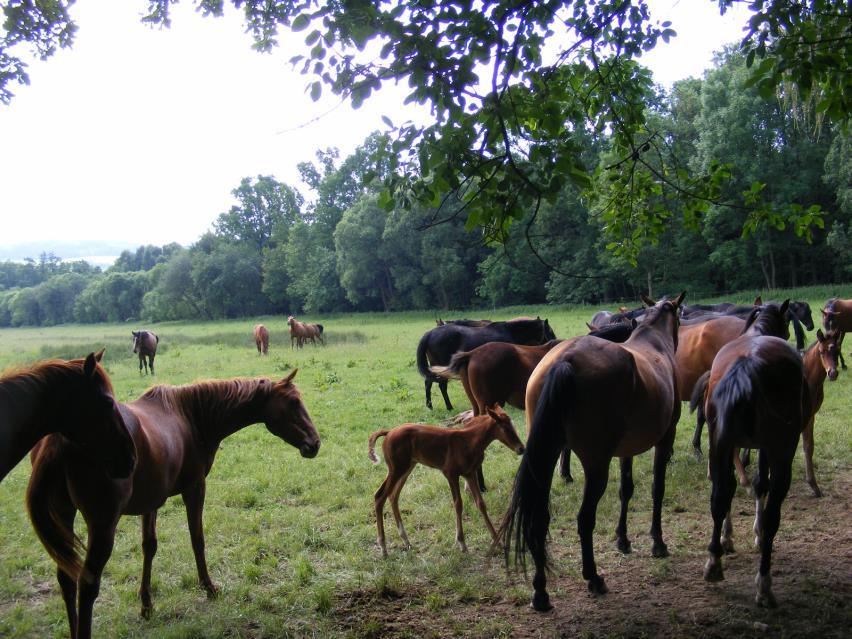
column 139, row 135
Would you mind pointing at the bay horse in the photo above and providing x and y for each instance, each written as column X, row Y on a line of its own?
column 455, row 452
column 261, row 339
column 145, row 345
column 73, row 398
column 438, row 345
column 756, row 397
column 837, row 315
column 600, row 400
column 302, row 332
column 177, row 431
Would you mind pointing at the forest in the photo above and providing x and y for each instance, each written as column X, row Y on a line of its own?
column 345, row 246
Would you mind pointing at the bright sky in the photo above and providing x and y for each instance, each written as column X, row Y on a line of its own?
column 139, row 135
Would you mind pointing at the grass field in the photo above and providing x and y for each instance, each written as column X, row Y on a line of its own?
column 290, row 541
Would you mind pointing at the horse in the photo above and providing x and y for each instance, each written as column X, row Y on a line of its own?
column 73, row 398
column 455, row 452
column 177, row 431
column 837, row 315
column 757, row 396
column 601, row 318
column 601, row 400
column 438, row 345
column 301, row 332
column 463, row 322
column 261, row 339
column 498, row 372
column 145, row 344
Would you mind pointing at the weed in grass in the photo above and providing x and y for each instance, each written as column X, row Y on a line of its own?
column 323, row 598
column 303, row 570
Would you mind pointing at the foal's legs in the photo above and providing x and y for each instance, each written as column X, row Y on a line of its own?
column 395, row 490
column 193, row 499
column 457, row 502
column 662, row 454
column 443, row 386
column 480, row 503
column 625, row 492
column 596, row 479
column 149, row 549
column 808, row 447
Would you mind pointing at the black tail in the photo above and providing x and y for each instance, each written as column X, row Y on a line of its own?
column 319, row 326
column 733, row 399
column 696, row 403
column 422, row 366
column 528, row 517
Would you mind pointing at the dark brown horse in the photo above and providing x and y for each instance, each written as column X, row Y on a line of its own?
column 301, row 332
column 145, row 345
column 455, row 452
column 600, row 400
column 261, row 339
column 73, row 398
column 463, row 322
column 756, row 397
column 177, row 431
column 837, row 315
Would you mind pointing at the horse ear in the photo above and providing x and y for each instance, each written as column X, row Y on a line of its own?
column 758, row 301
column 495, row 412
column 820, row 335
column 647, row 300
column 592, row 327
column 100, row 354
column 785, row 307
column 289, row 377
column 90, row 365
column 134, row 333
column 679, row 299
column 634, row 322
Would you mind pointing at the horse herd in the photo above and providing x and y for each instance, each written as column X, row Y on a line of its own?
column 613, row 393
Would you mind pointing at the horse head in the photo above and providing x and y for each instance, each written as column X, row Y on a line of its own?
column 769, row 319
column 286, row 417
column 664, row 308
column 828, row 350
column 506, row 433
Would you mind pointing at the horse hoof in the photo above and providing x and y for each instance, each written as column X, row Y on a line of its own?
column 541, row 602
column 713, row 571
column 728, row 546
column 212, row 590
column 146, row 612
column 765, row 600
column 597, row 586
column 623, row 545
column 698, row 454
column 659, row 550
column 816, row 491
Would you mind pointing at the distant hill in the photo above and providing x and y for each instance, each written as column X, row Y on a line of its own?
column 99, row 252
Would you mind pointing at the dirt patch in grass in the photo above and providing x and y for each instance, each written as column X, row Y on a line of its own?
column 811, row 571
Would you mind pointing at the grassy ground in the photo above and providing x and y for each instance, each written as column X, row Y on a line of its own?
column 291, row 540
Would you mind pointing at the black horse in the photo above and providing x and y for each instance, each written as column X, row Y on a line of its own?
column 438, row 345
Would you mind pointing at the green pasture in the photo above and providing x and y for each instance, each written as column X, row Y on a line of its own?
column 290, row 541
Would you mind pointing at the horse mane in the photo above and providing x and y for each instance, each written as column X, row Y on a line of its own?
column 208, row 398
column 26, row 379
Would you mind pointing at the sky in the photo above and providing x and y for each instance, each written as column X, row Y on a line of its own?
column 139, row 135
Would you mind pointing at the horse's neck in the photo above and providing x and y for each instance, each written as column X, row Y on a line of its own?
column 648, row 337
column 764, row 326
column 20, row 425
column 214, row 417
column 814, row 371
column 483, row 434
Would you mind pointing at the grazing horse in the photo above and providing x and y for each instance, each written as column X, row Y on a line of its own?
column 261, row 339
column 757, row 397
column 455, row 452
column 438, row 345
column 301, row 332
column 177, row 431
column 145, row 345
column 73, row 398
column 837, row 315
column 600, row 400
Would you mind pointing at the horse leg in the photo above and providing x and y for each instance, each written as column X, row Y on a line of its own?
column 457, row 502
column 722, row 493
column 141, row 361
column 480, row 479
column 67, row 584
column 98, row 551
column 662, row 454
column 149, row 549
column 596, row 479
column 808, row 447
column 396, row 489
column 696, row 435
column 779, row 484
column 428, row 383
column 565, row 466
column 740, row 462
column 443, row 386
column 625, row 492
column 760, row 486
column 840, row 350
column 480, row 503
column 379, row 505
column 151, row 363
column 193, row 499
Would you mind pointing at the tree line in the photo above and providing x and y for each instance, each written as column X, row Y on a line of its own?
column 349, row 247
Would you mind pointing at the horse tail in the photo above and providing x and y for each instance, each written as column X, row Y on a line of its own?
column 371, row 447
column 696, row 405
column 319, row 326
column 454, row 369
column 46, row 488
column 422, row 368
column 733, row 399
column 528, row 517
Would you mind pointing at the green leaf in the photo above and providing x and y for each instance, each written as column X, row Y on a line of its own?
column 301, row 22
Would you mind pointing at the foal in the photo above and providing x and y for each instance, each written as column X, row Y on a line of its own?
column 455, row 452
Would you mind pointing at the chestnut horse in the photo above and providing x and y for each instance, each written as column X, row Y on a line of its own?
column 837, row 315
column 73, row 398
column 145, row 344
column 261, row 339
column 600, row 400
column 301, row 332
column 455, row 452
column 757, row 397
column 177, row 431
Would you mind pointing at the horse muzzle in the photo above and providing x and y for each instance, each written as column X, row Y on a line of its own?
column 832, row 374
column 310, row 450
column 520, row 450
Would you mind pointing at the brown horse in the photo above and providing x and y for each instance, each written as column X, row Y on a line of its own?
column 301, row 332
column 757, row 397
column 600, row 400
column 145, row 345
column 837, row 315
column 177, row 431
column 261, row 339
column 455, row 452
column 73, row 398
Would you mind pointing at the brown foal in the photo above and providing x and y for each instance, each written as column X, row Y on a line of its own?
column 455, row 452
